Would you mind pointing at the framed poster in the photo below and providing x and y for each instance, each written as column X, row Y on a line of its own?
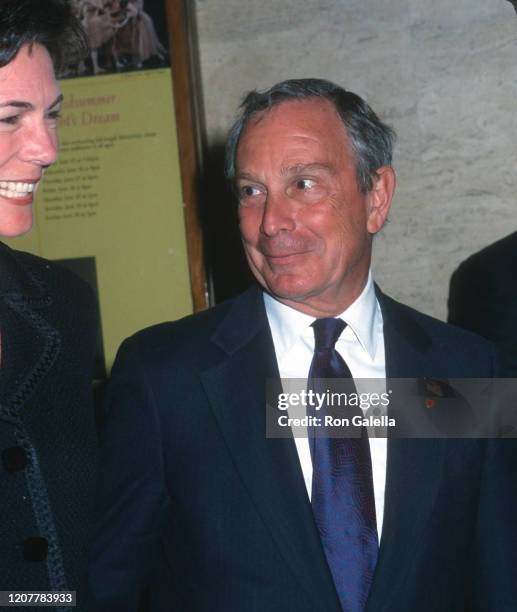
column 119, row 206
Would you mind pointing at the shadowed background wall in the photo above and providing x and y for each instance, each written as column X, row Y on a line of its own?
column 443, row 74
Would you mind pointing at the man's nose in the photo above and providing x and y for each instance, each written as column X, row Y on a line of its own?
column 278, row 215
column 39, row 144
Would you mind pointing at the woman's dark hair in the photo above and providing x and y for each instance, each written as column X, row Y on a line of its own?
column 51, row 23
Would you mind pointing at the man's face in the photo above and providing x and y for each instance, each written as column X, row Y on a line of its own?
column 29, row 105
column 306, row 227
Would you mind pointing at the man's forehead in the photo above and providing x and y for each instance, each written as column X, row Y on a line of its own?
column 294, row 125
column 306, row 110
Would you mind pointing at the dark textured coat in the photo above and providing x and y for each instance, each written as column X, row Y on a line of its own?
column 47, row 434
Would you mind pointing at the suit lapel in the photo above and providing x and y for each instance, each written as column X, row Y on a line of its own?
column 414, row 466
column 269, row 468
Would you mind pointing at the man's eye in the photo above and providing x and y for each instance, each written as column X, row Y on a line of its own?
column 249, row 191
column 305, row 184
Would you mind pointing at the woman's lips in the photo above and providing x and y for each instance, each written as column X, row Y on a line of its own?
column 19, row 201
column 19, row 193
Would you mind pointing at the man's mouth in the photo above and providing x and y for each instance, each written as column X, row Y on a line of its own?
column 16, row 189
column 281, row 255
column 283, row 258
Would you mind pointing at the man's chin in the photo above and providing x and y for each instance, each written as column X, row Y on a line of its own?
column 290, row 288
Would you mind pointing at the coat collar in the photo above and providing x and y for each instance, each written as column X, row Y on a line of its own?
column 244, row 321
column 407, row 344
column 30, row 343
column 17, row 281
column 405, row 340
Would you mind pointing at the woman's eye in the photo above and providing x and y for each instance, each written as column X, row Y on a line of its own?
column 12, row 120
column 54, row 115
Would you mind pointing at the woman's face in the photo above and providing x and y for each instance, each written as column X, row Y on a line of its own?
column 30, row 100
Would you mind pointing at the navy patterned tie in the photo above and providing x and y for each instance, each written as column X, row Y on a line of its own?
column 342, row 499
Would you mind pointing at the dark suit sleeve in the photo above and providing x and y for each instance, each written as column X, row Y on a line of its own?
column 494, row 558
column 131, row 499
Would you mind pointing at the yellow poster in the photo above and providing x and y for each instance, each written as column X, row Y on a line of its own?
column 112, row 205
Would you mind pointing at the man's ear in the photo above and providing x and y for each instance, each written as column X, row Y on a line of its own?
column 379, row 198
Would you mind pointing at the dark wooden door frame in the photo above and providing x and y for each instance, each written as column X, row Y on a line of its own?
column 190, row 130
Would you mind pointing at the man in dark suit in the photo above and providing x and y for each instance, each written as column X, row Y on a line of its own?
column 483, row 296
column 199, row 504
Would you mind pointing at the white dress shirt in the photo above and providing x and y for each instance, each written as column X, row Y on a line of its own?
column 362, row 347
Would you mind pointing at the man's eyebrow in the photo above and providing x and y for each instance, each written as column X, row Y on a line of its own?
column 244, row 176
column 28, row 105
column 291, row 170
column 301, row 168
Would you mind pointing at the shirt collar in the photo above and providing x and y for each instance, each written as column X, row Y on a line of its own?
column 364, row 316
column 288, row 325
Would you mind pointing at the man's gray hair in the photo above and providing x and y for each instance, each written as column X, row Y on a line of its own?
column 371, row 139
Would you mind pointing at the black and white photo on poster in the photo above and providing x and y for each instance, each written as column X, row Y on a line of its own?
column 123, row 35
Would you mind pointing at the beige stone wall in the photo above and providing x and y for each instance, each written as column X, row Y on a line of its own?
column 443, row 73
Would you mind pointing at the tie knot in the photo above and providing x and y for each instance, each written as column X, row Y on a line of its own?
column 326, row 332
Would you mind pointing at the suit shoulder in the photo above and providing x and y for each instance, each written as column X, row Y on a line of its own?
column 200, row 340
column 494, row 255
column 424, row 324
column 185, row 333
